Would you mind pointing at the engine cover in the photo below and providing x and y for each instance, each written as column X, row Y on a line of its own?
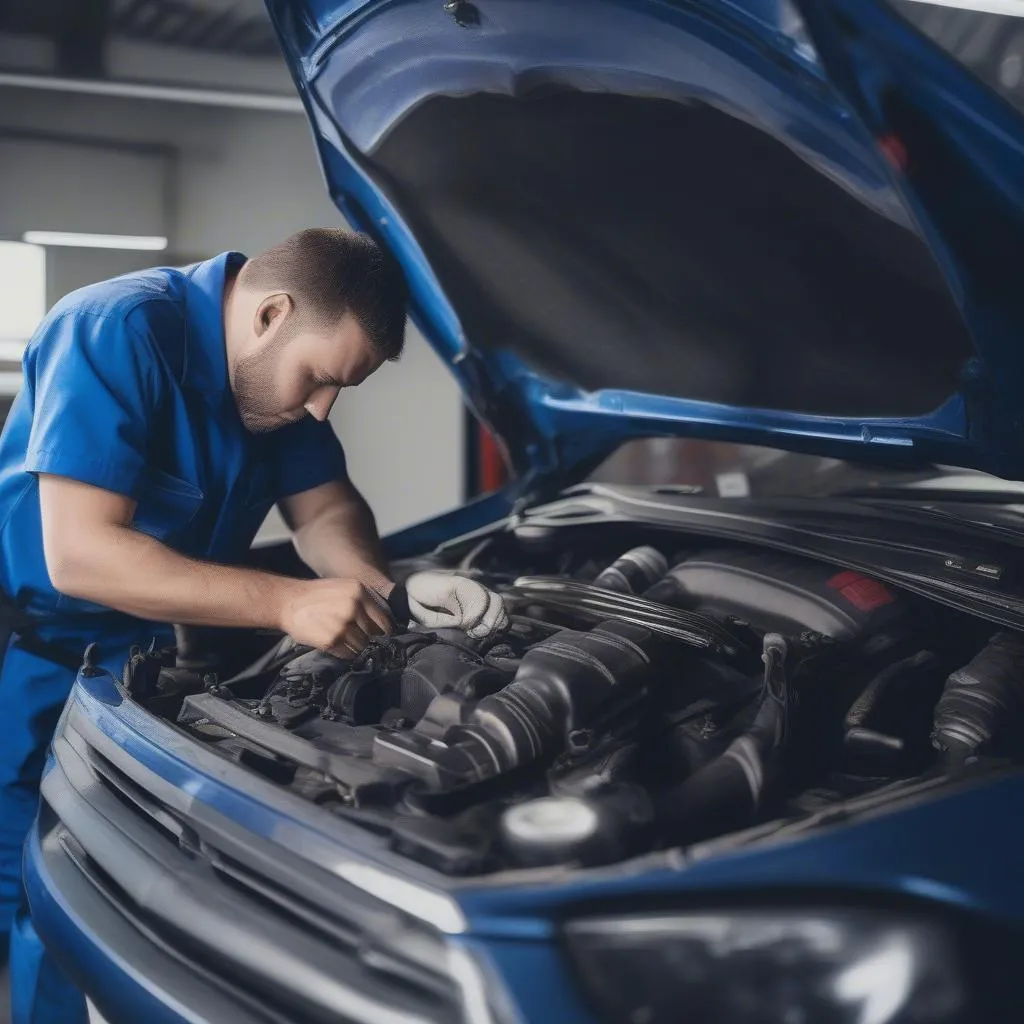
column 786, row 594
column 565, row 683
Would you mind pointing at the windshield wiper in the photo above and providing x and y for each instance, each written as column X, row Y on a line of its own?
column 953, row 495
column 993, row 518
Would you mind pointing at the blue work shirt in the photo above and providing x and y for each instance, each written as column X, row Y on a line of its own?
column 126, row 388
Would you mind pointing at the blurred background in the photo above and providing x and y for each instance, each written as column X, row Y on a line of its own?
column 142, row 132
column 174, row 124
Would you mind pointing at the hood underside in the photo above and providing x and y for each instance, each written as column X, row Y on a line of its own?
column 709, row 218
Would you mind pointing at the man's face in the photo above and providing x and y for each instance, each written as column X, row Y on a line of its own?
column 286, row 370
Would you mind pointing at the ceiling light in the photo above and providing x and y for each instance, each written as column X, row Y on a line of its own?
column 88, row 241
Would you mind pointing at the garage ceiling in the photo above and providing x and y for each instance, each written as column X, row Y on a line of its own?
column 78, row 27
column 240, row 28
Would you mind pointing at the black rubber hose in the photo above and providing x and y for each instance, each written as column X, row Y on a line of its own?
column 979, row 698
column 691, row 637
column 560, row 684
column 726, row 793
column 716, row 799
column 633, row 572
column 535, row 585
column 864, row 707
column 692, row 628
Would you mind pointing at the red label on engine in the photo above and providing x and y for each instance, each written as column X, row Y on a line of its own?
column 863, row 593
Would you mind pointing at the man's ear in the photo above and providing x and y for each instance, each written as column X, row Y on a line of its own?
column 271, row 312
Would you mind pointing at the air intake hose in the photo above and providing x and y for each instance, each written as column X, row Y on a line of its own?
column 570, row 681
column 634, row 572
column 984, row 695
column 726, row 793
column 562, row 685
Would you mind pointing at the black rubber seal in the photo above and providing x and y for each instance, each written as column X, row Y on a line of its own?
column 398, row 604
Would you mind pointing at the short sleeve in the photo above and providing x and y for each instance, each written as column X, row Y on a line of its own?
column 95, row 391
column 305, row 455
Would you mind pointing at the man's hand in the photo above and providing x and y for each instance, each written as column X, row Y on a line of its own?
column 439, row 600
column 340, row 616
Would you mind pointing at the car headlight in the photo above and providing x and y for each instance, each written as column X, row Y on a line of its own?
column 759, row 966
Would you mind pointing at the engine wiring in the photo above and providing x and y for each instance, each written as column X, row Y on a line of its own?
column 596, row 604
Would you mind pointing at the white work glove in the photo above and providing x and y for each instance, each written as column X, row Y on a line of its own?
column 440, row 600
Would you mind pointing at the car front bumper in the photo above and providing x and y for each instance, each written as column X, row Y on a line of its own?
column 174, row 885
column 169, row 895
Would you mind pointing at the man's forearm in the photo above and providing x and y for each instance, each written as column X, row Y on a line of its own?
column 343, row 542
column 131, row 572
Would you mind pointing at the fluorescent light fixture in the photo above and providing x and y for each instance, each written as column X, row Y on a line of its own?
column 87, row 241
column 22, row 295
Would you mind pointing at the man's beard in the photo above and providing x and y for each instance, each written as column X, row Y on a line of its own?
column 253, row 383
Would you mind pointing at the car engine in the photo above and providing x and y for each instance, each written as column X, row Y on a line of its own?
column 651, row 699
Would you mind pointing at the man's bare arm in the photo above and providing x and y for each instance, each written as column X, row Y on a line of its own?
column 335, row 534
column 92, row 553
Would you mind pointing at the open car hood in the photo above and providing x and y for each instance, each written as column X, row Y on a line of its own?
column 793, row 225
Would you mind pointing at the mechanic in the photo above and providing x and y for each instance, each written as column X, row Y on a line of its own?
column 162, row 415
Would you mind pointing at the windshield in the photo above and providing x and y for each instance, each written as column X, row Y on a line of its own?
column 741, row 471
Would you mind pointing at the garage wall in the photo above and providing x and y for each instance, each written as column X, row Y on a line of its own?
column 213, row 179
column 133, row 60
column 52, row 185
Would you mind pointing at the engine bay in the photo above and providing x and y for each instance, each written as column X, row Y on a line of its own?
column 646, row 696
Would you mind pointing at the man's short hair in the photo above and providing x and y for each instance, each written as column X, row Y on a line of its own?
column 329, row 272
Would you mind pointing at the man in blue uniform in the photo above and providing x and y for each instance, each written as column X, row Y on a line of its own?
column 162, row 415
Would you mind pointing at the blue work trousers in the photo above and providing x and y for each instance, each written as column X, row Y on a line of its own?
column 32, row 695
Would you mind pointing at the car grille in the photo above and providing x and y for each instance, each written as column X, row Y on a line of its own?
column 285, row 938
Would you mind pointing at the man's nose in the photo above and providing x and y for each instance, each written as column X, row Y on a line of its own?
column 321, row 402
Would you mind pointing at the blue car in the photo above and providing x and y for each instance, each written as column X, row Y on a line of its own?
column 742, row 759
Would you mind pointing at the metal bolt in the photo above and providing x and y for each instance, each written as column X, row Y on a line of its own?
column 465, row 14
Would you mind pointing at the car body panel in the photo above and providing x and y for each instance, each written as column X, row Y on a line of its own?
column 502, row 931
column 362, row 67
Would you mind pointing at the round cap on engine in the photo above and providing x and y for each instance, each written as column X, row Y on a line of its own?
column 551, row 821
